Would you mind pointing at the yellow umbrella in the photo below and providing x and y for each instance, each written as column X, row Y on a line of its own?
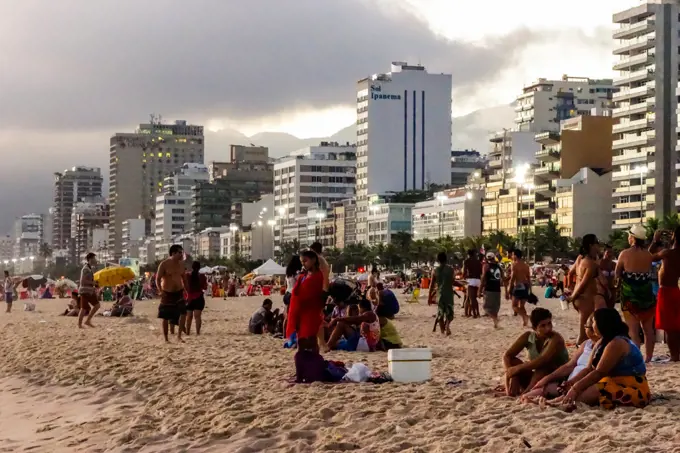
column 249, row 276
column 113, row 276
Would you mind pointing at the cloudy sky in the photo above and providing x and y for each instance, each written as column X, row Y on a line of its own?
column 76, row 71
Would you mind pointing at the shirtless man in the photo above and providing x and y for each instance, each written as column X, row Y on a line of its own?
column 472, row 272
column 520, row 279
column 170, row 280
column 325, row 271
column 89, row 302
column 668, row 299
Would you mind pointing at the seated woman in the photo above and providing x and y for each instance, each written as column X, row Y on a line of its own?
column 616, row 374
column 546, row 350
column 73, row 305
column 123, row 307
column 369, row 330
column 559, row 381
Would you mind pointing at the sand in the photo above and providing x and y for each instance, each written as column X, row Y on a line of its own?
column 120, row 388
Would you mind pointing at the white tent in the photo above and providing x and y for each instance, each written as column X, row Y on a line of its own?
column 270, row 268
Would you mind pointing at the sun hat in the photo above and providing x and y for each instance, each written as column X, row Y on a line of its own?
column 638, row 232
column 490, row 255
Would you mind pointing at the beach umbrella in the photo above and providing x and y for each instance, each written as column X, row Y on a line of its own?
column 219, row 268
column 114, row 276
column 205, row 270
column 66, row 283
column 262, row 279
column 36, row 277
column 34, row 283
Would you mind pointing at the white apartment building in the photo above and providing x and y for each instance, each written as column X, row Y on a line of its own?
column 316, row 176
column 645, row 139
column 139, row 164
column 545, row 103
column 582, row 204
column 147, row 251
column 86, row 216
column 185, row 177
column 403, row 134
column 134, row 231
column 386, row 219
column 28, row 235
column 173, row 217
column 455, row 213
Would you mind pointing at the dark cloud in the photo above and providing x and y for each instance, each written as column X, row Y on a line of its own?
column 87, row 64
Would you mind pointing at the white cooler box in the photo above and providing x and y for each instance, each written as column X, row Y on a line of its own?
column 409, row 365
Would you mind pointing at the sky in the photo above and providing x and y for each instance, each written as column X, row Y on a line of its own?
column 76, row 71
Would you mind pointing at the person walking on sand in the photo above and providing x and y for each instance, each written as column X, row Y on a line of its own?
column 490, row 287
column 9, row 291
column 634, row 274
column 170, row 280
column 442, row 280
column 588, row 294
column 520, row 285
column 472, row 273
column 89, row 302
column 196, row 284
column 668, row 299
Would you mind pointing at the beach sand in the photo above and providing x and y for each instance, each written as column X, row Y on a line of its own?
column 120, row 388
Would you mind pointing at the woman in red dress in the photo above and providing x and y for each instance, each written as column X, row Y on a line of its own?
column 305, row 314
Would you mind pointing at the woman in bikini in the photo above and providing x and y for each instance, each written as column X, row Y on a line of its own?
column 607, row 271
column 589, row 293
column 634, row 276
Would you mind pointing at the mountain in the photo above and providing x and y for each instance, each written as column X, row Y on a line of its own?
column 470, row 131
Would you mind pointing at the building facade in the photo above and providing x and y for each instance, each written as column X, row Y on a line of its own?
column 385, row 219
column 403, row 134
column 545, row 103
column 311, row 178
column 71, row 187
column 134, row 231
column 645, row 137
column 28, row 235
column 86, row 217
column 139, row 164
column 455, row 213
column 463, row 164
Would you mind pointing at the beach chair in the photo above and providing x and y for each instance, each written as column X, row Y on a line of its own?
column 414, row 296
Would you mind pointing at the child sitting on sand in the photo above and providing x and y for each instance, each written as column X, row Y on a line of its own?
column 546, row 349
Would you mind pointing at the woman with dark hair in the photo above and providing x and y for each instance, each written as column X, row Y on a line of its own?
column 634, row 274
column 546, row 349
column 195, row 284
column 607, row 272
column 305, row 312
column 292, row 271
column 587, row 295
column 616, row 375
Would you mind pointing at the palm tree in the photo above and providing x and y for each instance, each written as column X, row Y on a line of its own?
column 500, row 240
column 651, row 225
column 618, row 239
column 671, row 222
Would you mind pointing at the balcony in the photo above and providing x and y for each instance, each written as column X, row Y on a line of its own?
column 522, row 107
column 634, row 141
column 545, row 206
column 542, row 221
column 547, row 189
column 628, row 207
column 635, row 60
column 548, row 138
column 548, row 155
column 625, row 94
column 634, row 125
column 496, row 177
column 635, row 76
column 636, row 45
column 640, row 107
column 546, row 173
column 626, row 31
column 630, row 158
column 496, row 162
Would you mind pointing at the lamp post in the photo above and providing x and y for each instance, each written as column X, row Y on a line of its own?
column 271, row 223
column 643, row 170
column 282, row 212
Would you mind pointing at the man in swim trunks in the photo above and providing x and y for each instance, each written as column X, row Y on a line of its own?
column 170, row 279
column 472, row 273
column 668, row 298
column 520, row 279
column 89, row 302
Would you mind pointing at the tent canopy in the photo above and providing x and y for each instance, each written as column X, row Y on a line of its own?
column 270, row 268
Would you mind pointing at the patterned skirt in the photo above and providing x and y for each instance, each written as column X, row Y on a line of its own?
column 624, row 391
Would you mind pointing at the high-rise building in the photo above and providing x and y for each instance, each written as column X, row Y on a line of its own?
column 403, row 134
column 310, row 178
column 140, row 162
column 645, row 137
column 28, row 235
column 464, row 163
column 455, row 213
column 250, row 163
column 88, row 215
column 71, row 186
column 545, row 103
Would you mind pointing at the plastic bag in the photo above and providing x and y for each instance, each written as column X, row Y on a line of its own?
column 362, row 345
column 358, row 373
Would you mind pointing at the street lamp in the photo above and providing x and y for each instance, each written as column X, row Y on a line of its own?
column 643, row 170
column 320, row 216
column 234, row 228
column 271, row 223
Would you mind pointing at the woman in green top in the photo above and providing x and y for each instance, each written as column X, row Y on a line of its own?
column 442, row 280
column 546, row 350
